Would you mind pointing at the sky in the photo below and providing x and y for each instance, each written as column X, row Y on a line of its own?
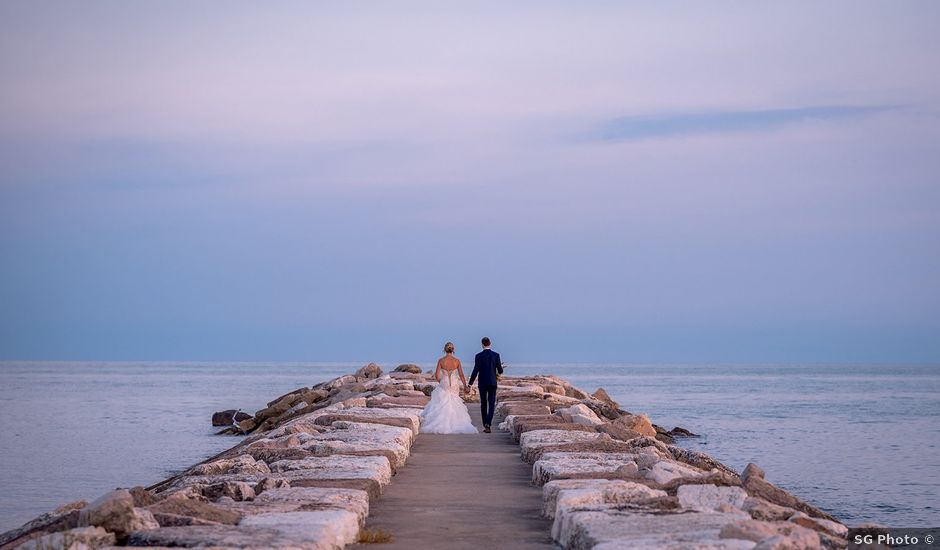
column 600, row 182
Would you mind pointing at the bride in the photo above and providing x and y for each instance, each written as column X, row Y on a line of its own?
column 446, row 413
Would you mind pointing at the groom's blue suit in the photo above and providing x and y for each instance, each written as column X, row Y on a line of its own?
column 486, row 365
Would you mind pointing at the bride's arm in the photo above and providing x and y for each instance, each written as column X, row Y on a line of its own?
column 460, row 372
column 437, row 371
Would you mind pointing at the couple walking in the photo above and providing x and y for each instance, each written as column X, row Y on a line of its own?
column 446, row 412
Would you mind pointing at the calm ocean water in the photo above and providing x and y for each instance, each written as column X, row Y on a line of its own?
column 860, row 442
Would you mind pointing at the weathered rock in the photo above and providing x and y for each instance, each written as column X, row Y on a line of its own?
column 758, row 487
column 307, row 472
column 609, row 528
column 369, row 371
column 227, row 418
column 324, row 529
column 517, row 425
column 554, row 401
column 772, row 535
column 713, row 477
column 579, row 414
column 584, row 466
column 574, row 392
column 519, row 408
column 513, row 392
column 676, row 431
column 235, row 490
column 194, row 509
column 242, row 464
column 65, row 517
column 425, row 387
column 319, row 498
column 396, row 454
column 142, row 497
column 703, row 498
column 760, row 509
column 699, row 460
column 270, row 483
column 399, row 402
column 406, row 418
column 664, row 471
column 581, row 492
column 181, row 489
column 826, row 526
column 534, row 443
column 339, row 382
column 115, row 512
column 270, row 454
column 618, row 431
column 176, row 520
column 81, row 538
column 408, row 367
column 247, row 425
column 601, row 395
column 638, row 423
column 290, row 396
column 224, row 536
column 344, row 430
column 753, row 470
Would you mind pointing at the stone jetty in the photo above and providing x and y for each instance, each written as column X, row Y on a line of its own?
column 343, row 463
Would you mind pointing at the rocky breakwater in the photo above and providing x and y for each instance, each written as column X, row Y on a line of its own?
column 302, row 477
column 612, row 480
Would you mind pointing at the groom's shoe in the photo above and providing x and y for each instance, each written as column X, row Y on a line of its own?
column 486, row 429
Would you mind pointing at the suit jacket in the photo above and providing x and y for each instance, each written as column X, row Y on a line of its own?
column 485, row 365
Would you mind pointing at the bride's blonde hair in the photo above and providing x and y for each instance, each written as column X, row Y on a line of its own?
column 449, row 347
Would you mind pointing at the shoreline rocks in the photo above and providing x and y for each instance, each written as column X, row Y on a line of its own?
column 310, row 462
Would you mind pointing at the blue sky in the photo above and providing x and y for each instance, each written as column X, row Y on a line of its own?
column 613, row 182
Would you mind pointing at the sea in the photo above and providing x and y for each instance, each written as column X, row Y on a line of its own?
column 861, row 442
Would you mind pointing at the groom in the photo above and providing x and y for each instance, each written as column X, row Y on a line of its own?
column 486, row 365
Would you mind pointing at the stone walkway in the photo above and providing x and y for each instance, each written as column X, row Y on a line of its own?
column 463, row 491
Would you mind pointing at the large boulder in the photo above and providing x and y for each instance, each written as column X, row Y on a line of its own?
column 81, row 538
column 370, row 473
column 779, row 535
column 756, row 486
column 707, row 497
column 229, row 417
column 242, row 464
column 519, row 408
column 579, row 414
column 618, row 431
column 601, row 394
column 570, row 493
column 235, row 490
column 616, row 527
column 518, row 425
column 537, row 441
column 320, row 498
column 408, row 367
column 116, row 513
column 177, row 506
column 310, row 530
column 65, row 517
column 401, row 417
column 638, row 423
column 369, row 371
column 407, row 401
column 584, row 466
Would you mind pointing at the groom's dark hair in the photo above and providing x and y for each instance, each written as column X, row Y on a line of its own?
column 485, row 341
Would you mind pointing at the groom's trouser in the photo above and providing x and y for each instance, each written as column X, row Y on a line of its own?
column 487, row 404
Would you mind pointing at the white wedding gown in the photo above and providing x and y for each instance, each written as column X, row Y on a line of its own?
column 446, row 412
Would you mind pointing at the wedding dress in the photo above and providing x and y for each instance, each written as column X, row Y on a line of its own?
column 446, row 412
